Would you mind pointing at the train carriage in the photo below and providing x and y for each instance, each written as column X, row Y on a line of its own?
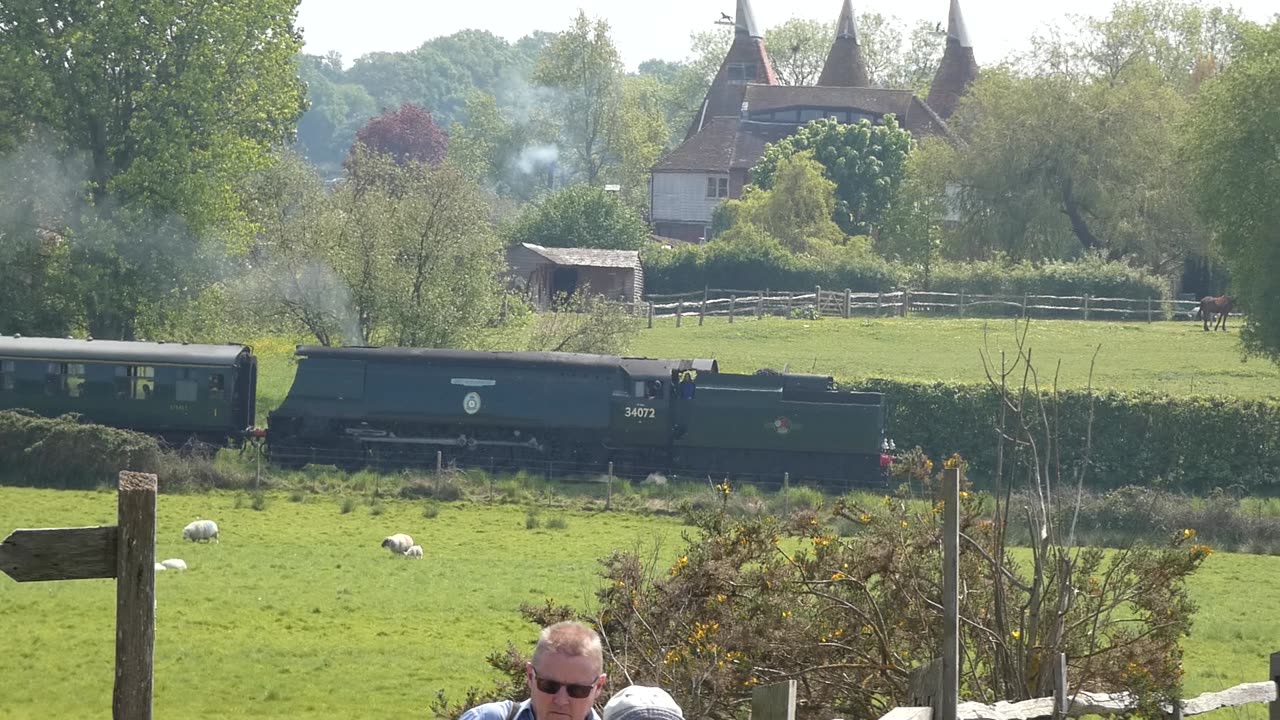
column 176, row 391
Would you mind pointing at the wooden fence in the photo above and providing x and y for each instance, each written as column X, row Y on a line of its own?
column 756, row 304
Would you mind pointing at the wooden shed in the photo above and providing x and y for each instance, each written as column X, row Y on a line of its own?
column 544, row 273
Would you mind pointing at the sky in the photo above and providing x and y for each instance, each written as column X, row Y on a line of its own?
column 645, row 29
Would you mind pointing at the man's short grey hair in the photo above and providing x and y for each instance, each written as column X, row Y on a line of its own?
column 573, row 639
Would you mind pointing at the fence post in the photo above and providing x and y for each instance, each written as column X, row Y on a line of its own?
column 950, row 692
column 608, row 497
column 135, row 596
column 847, row 306
column 906, row 303
column 817, row 300
column 1086, row 306
column 1148, row 309
column 733, row 301
column 1061, row 701
column 774, row 702
column 760, row 306
column 1024, row 306
column 790, row 298
column 702, row 311
column 879, row 303
column 679, row 312
column 1275, row 677
column 960, row 302
column 650, row 312
column 786, row 494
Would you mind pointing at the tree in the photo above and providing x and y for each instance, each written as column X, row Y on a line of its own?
column 582, row 64
column 898, row 57
column 336, row 109
column 797, row 209
column 1232, row 140
column 580, row 216
column 866, row 162
column 798, row 49
column 1084, row 178
column 636, row 136
column 408, row 135
column 584, row 323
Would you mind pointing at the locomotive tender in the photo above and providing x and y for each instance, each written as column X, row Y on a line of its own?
column 358, row 405
column 173, row 390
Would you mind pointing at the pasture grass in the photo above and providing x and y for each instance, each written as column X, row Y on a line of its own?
column 299, row 613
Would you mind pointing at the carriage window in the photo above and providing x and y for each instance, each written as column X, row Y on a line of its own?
column 137, row 382
column 6, row 374
column 64, row 379
column 216, row 386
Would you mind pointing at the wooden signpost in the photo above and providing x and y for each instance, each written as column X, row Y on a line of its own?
column 126, row 552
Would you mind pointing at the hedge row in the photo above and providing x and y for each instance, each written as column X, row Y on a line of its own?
column 1180, row 443
column 756, row 267
column 67, row 454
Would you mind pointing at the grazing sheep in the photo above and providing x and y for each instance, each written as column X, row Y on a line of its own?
column 206, row 530
column 174, row 564
column 414, row 552
column 398, row 544
column 160, row 567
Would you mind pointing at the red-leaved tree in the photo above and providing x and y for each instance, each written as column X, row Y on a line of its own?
column 409, row 134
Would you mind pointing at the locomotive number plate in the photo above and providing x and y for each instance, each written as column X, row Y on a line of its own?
column 640, row 412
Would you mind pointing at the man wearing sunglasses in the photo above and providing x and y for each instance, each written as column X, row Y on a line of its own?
column 564, row 676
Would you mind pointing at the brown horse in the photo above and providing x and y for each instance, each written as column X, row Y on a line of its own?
column 1210, row 306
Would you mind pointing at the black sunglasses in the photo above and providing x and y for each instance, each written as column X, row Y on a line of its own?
column 551, row 687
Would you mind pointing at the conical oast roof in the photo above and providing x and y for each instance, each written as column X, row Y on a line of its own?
column 958, row 68
column 746, row 62
column 845, row 66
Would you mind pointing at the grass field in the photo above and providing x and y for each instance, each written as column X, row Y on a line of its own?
column 1173, row 357
column 298, row 613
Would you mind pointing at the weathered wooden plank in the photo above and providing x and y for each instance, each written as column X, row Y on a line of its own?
column 135, row 597
column 909, row 713
column 47, row 554
column 1231, row 697
column 774, row 702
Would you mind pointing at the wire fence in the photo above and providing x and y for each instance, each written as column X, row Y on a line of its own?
column 756, row 304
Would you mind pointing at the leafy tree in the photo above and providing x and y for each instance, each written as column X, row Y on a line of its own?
column 899, row 57
column 408, row 135
column 584, row 323
column 636, row 136
column 1231, row 145
column 583, row 65
column 798, row 49
column 866, row 162
column 336, row 109
column 580, row 216
column 1084, row 178
column 796, row 210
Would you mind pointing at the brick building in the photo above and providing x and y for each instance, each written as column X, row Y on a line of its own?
column 746, row 108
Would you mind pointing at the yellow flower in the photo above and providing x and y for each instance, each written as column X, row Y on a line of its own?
column 964, row 494
column 1188, row 533
column 838, row 633
column 675, row 569
column 1201, row 551
column 838, row 576
column 822, row 540
column 786, row 614
column 721, row 597
column 1015, row 635
column 953, row 462
column 864, row 518
column 904, row 523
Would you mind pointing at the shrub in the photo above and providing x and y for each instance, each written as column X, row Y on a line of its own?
column 532, row 520
column 65, row 453
column 376, row 508
column 347, row 505
column 558, row 522
column 431, row 510
column 259, row 501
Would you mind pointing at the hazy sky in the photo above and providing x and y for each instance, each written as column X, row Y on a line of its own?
column 644, row 29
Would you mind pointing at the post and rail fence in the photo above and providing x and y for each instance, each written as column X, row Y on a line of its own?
column 756, row 304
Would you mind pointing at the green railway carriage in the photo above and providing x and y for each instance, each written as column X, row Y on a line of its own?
column 173, row 390
column 356, row 406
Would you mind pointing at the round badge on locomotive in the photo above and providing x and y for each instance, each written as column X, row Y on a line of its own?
column 471, row 403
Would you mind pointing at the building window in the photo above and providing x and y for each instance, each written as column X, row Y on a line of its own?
column 717, row 187
column 741, row 73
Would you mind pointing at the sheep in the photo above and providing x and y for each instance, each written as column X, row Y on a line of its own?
column 160, row 567
column 398, row 544
column 174, row 564
column 206, row 530
column 414, row 552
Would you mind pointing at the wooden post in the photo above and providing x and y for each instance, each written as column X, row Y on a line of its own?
column 817, row 300
column 1275, row 677
column 1024, row 306
column 1086, row 306
column 135, row 596
column 650, row 314
column 679, row 312
column 960, row 303
column 733, row 301
column 848, row 306
column 608, row 497
column 764, row 296
column 879, row 303
column 1061, row 699
column 786, row 494
column 949, row 696
column 702, row 311
column 906, row 303
column 1148, row 309
column 774, row 702
column 790, row 297
column 923, row 685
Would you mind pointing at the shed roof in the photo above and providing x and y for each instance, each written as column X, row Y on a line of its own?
column 587, row 257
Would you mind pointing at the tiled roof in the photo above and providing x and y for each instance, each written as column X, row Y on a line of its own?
column 587, row 257
column 958, row 68
column 845, row 66
column 711, row 149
